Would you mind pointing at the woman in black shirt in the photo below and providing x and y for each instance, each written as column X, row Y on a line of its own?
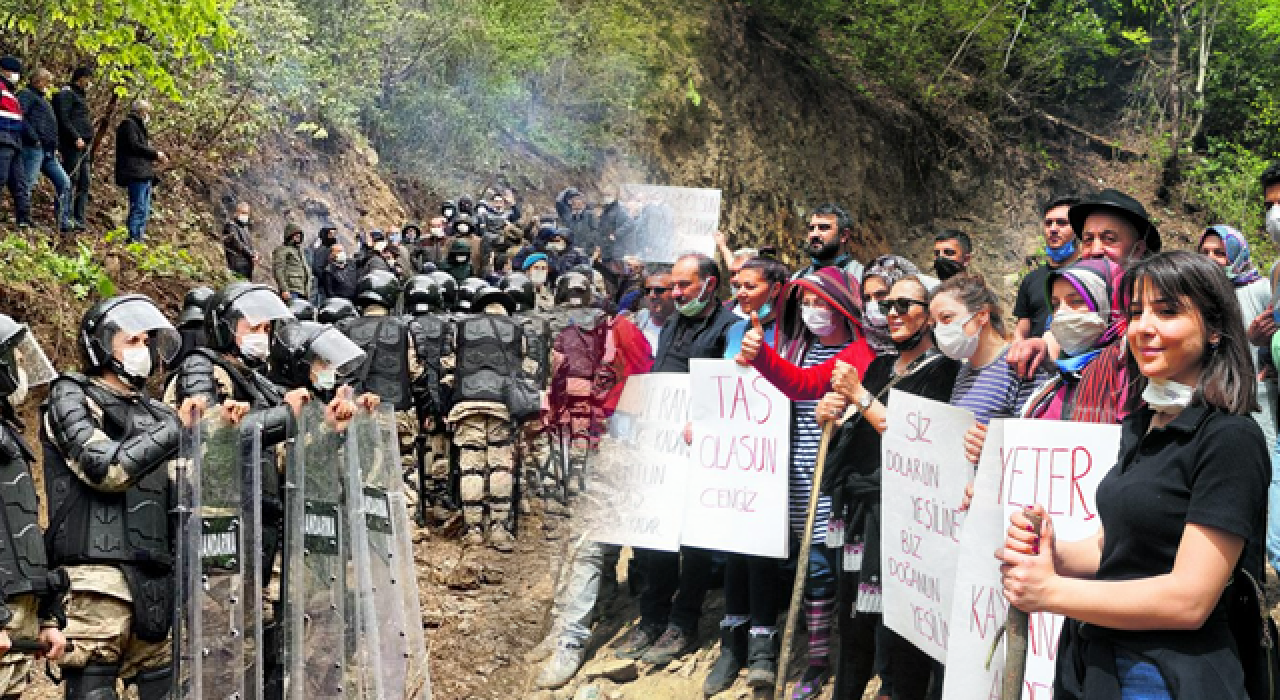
column 1188, row 491
column 852, row 479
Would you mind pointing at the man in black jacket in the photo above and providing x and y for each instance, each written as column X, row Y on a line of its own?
column 42, row 155
column 135, row 167
column 75, row 140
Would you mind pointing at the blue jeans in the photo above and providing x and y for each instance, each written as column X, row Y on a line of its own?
column 37, row 161
column 1140, row 679
column 1273, row 510
column 139, row 210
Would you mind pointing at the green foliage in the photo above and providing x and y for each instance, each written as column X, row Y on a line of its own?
column 134, row 43
column 34, row 261
column 1225, row 185
column 164, row 259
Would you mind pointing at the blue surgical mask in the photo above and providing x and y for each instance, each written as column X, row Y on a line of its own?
column 765, row 310
column 1062, row 253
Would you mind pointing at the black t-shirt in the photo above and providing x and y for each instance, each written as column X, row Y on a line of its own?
column 1032, row 302
column 1206, row 467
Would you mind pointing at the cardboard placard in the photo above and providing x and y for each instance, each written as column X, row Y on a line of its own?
column 924, row 473
column 738, row 482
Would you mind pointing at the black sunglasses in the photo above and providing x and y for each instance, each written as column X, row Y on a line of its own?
column 656, row 290
column 901, row 306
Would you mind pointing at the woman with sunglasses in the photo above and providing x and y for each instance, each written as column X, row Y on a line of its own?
column 749, row 627
column 852, row 478
column 1144, row 596
column 820, row 320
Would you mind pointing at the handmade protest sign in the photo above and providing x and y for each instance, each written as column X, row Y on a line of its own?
column 923, row 474
column 636, row 485
column 738, row 480
column 1024, row 462
column 665, row 222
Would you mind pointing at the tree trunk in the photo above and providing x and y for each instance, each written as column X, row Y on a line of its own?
column 1208, row 22
column 1172, row 165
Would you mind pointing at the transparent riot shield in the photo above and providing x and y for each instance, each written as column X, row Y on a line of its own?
column 255, row 575
column 417, row 673
column 388, row 665
column 213, row 642
column 314, row 586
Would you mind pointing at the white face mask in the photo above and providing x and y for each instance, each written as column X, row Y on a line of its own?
column 325, row 379
column 256, row 346
column 1077, row 331
column 136, row 362
column 819, row 321
column 20, row 393
column 380, row 246
column 243, row 219
column 538, row 277
column 557, row 246
column 340, row 258
column 437, row 233
column 954, row 342
column 1164, row 396
column 1273, row 223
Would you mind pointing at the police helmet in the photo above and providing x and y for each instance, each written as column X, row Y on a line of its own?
column 378, row 287
column 301, row 309
column 422, row 295
column 448, row 288
column 573, row 289
column 255, row 303
column 519, row 287
column 336, row 309
column 193, row 306
column 130, row 314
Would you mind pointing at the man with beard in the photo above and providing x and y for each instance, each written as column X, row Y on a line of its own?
column 830, row 233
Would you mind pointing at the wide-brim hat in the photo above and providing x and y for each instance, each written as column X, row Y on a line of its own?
column 1121, row 204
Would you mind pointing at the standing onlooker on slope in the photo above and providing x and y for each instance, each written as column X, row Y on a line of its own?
column 289, row 266
column 75, row 141
column 12, row 130
column 236, row 242
column 42, row 155
column 135, row 167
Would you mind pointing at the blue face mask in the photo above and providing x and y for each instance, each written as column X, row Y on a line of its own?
column 1062, row 253
column 765, row 310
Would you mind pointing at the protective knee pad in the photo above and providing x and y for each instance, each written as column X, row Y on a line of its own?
column 93, row 682
column 500, row 484
column 473, row 460
column 471, row 488
column 473, row 515
column 501, row 456
column 154, row 684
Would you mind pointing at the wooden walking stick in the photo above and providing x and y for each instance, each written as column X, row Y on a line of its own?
column 1015, row 632
column 802, row 566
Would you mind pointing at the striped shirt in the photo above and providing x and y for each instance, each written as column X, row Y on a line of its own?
column 806, row 434
column 993, row 391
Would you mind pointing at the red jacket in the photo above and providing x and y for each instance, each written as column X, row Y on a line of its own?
column 808, row 384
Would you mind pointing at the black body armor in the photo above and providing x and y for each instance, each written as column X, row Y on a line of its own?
column 489, row 352
column 385, row 339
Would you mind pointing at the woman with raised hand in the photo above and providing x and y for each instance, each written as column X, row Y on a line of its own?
column 1144, row 596
column 749, row 629
column 852, row 479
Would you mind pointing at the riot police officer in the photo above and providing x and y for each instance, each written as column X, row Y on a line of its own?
column 32, row 591
column 106, row 450
column 238, row 324
column 191, row 320
column 535, row 441
column 490, row 351
column 301, row 309
column 335, row 309
column 433, row 337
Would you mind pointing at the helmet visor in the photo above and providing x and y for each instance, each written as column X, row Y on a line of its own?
column 141, row 316
column 333, row 349
column 257, row 306
column 23, row 352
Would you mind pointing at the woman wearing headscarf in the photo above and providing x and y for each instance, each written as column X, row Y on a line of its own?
column 1229, row 248
column 880, row 276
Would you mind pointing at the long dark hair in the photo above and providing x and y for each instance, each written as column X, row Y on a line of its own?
column 1191, row 281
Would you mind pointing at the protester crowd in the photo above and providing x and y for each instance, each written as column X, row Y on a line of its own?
column 503, row 343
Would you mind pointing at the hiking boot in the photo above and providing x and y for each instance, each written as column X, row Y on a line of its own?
column 544, row 649
column 762, row 661
column 500, row 539
column 810, row 684
column 474, row 537
column 562, row 666
column 636, row 642
column 673, row 644
column 733, row 651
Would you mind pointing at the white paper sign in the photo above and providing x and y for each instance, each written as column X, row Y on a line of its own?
column 924, row 473
column 667, row 221
column 738, row 481
column 1058, row 465
column 637, row 479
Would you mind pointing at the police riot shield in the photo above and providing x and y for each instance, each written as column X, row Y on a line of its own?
column 314, row 584
column 390, row 655
column 214, row 645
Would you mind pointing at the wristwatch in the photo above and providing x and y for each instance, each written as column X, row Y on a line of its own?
column 865, row 403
